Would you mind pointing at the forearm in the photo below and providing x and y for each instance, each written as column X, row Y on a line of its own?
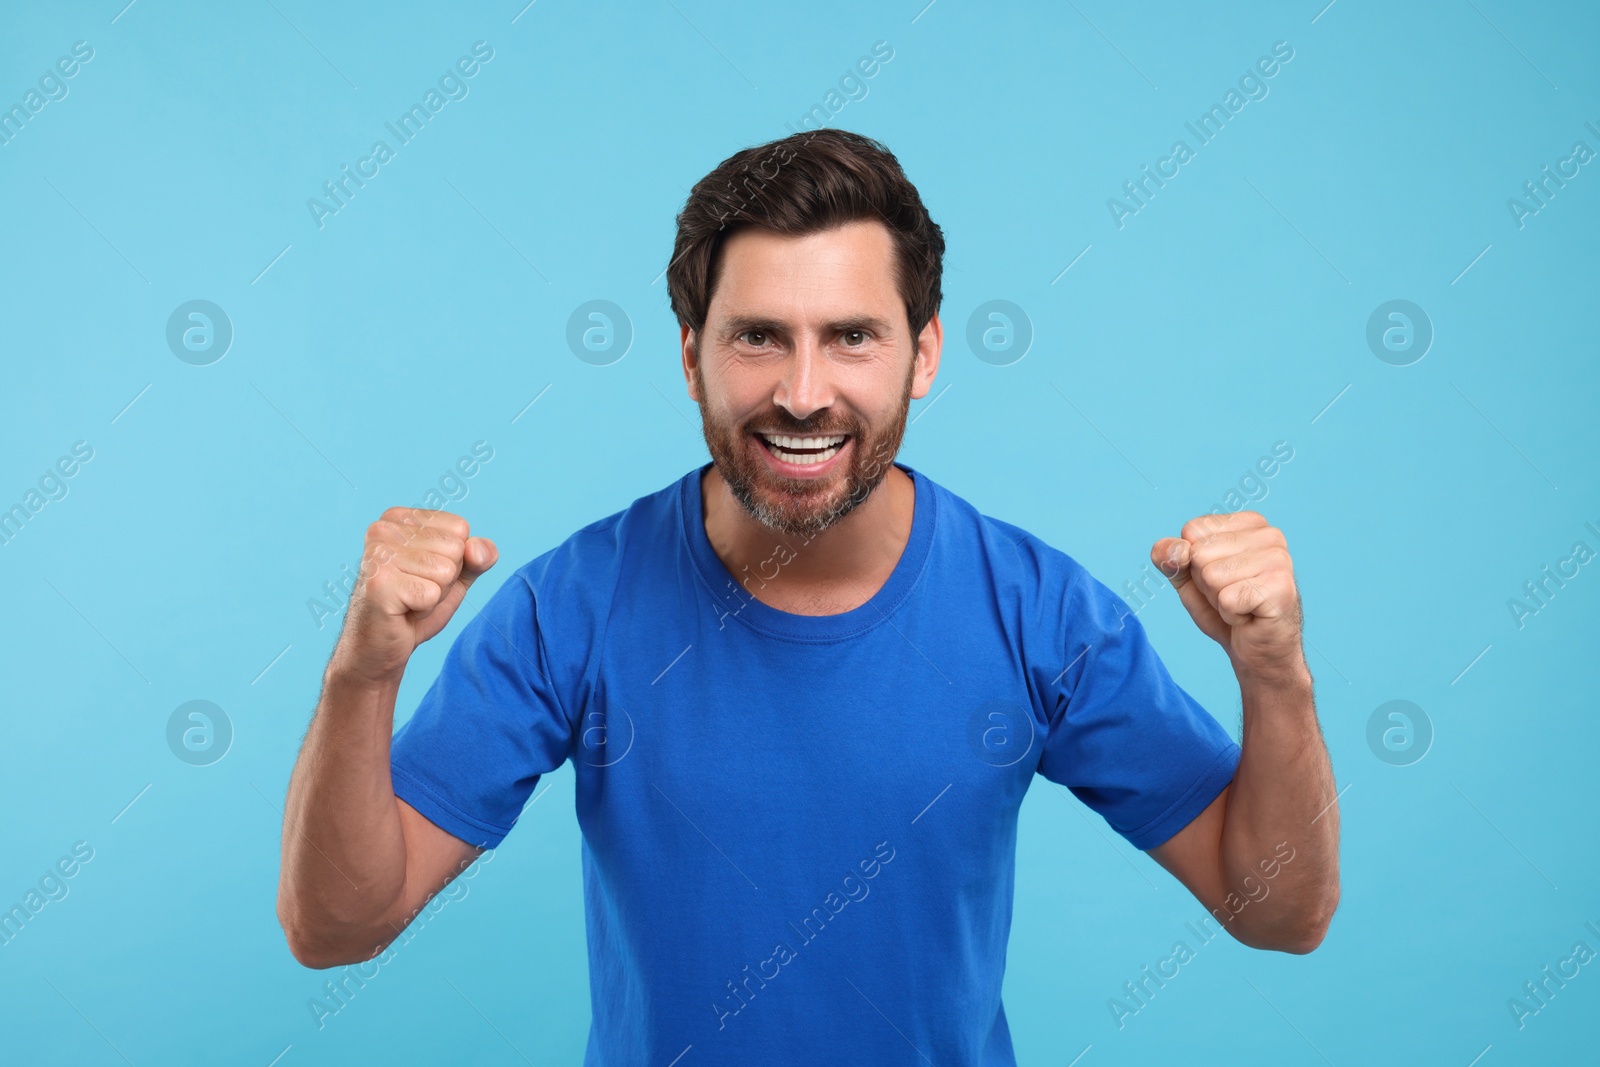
column 1282, row 792
column 344, row 853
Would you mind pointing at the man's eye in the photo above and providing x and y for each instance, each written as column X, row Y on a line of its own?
column 761, row 336
column 855, row 333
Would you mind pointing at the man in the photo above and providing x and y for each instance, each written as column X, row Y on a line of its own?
column 804, row 688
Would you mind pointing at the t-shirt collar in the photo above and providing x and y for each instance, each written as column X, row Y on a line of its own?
column 732, row 603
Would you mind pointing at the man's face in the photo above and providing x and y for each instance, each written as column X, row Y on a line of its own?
column 807, row 337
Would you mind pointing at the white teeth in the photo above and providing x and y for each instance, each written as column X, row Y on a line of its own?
column 804, row 442
column 781, row 445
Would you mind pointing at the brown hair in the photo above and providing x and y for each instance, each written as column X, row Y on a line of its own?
column 799, row 185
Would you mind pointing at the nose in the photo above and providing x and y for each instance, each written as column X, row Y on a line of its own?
column 806, row 386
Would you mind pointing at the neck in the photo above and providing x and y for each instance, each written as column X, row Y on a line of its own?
column 842, row 566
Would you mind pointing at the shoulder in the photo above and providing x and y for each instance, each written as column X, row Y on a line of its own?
column 589, row 564
column 1015, row 556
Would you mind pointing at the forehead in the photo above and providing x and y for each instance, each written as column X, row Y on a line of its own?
column 833, row 271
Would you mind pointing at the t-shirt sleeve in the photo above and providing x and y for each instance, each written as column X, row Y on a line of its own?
column 488, row 727
column 1122, row 735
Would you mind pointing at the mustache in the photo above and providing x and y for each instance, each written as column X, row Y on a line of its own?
column 782, row 424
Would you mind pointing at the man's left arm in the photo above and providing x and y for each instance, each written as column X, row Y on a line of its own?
column 1234, row 575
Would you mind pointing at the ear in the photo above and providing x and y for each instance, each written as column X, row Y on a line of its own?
column 929, row 344
column 686, row 339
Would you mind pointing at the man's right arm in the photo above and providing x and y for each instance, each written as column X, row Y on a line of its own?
column 359, row 863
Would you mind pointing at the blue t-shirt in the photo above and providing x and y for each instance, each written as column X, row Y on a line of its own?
column 799, row 831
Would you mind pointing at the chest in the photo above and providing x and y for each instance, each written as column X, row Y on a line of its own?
column 745, row 750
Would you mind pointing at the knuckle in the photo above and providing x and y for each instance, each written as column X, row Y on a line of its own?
column 377, row 554
column 376, row 572
column 407, row 515
column 1208, row 550
column 415, row 523
column 441, row 568
column 424, row 591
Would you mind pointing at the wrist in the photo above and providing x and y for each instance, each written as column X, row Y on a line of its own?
column 1291, row 677
column 345, row 677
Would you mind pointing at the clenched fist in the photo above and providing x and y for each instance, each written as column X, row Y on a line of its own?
column 1235, row 577
column 415, row 570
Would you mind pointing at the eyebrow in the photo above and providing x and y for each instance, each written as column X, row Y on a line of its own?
column 737, row 324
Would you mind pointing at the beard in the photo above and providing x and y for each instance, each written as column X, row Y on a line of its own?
column 802, row 507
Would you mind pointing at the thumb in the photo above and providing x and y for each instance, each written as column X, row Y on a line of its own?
column 479, row 556
column 1171, row 557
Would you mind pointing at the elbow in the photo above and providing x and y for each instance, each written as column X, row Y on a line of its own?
column 307, row 949
column 311, row 956
column 1300, row 935
column 1312, row 929
column 317, row 948
column 1305, row 943
column 319, row 954
column 1299, row 940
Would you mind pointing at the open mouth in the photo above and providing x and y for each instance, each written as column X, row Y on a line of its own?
column 804, row 451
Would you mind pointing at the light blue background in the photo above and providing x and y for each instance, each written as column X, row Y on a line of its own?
column 426, row 315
